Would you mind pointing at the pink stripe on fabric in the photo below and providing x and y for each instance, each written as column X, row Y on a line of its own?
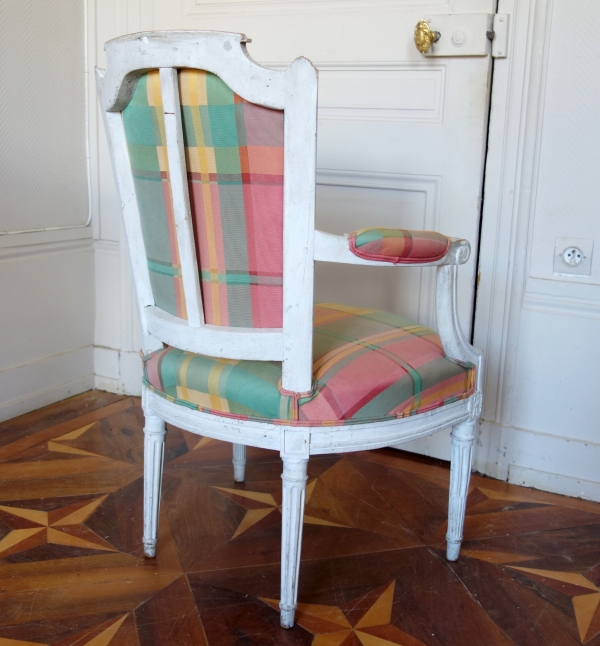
column 415, row 351
column 317, row 409
column 264, row 219
column 264, row 126
column 270, row 303
column 250, row 219
column 153, row 372
column 371, row 372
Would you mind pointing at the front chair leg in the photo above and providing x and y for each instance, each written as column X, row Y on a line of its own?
column 460, row 473
column 292, row 512
column 154, row 449
column 239, row 462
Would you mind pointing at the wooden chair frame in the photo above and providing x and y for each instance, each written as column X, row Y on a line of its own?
column 293, row 90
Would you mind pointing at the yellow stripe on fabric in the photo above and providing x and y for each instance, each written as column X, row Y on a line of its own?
column 331, row 317
column 183, row 374
column 216, row 401
column 202, row 400
column 215, row 293
column 153, row 90
column 347, row 308
column 455, row 389
column 202, row 160
column 328, row 360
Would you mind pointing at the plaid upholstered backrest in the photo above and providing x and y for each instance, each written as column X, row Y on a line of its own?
column 234, row 160
column 221, row 242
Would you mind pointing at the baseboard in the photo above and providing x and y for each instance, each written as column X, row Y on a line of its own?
column 566, row 485
column 118, row 371
column 39, row 383
column 491, row 450
column 545, row 461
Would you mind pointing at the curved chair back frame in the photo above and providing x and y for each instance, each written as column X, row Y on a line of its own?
column 295, row 92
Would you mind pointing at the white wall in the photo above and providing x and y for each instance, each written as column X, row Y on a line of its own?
column 46, row 256
column 117, row 343
column 541, row 329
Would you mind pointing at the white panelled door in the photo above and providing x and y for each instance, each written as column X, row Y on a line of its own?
column 402, row 136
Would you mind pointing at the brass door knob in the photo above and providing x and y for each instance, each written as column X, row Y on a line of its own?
column 424, row 37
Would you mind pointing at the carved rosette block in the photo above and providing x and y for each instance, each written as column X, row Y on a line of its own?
column 462, row 436
column 475, row 405
column 154, row 448
column 292, row 511
column 239, row 462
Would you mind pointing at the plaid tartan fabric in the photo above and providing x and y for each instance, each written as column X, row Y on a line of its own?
column 144, row 125
column 368, row 366
column 234, row 152
column 234, row 156
column 399, row 245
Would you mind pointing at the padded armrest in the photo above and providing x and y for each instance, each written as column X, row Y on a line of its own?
column 399, row 245
column 332, row 248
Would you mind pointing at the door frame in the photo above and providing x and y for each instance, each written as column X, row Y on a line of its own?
column 509, row 185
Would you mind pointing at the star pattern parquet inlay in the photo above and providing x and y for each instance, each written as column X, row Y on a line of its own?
column 373, row 570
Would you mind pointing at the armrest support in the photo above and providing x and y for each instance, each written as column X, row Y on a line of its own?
column 453, row 340
column 332, row 248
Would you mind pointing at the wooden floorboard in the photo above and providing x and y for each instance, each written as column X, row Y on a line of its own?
column 373, row 571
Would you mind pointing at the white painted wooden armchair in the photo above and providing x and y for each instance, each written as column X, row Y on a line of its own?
column 218, row 196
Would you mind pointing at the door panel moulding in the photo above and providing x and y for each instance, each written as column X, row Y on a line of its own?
column 418, row 96
column 428, row 186
column 14, row 252
column 576, row 307
column 194, row 8
column 84, row 222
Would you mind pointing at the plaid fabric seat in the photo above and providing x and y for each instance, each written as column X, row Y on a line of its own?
column 398, row 245
column 368, row 366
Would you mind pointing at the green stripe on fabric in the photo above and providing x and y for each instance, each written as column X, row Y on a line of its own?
column 161, row 268
column 372, row 235
column 418, row 330
column 235, row 278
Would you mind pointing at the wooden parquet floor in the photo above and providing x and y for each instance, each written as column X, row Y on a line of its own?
column 373, row 569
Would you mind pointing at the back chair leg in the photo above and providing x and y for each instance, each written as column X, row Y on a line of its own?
column 292, row 512
column 154, row 449
column 239, row 462
column 460, row 474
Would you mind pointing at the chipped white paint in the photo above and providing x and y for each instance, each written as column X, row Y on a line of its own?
column 294, row 90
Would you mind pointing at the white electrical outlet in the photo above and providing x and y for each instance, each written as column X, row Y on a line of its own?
column 573, row 256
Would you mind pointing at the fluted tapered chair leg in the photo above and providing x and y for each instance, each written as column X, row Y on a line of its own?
column 239, row 462
column 292, row 511
column 460, row 473
column 154, row 449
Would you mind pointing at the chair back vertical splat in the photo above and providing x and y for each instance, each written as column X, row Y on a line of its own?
column 180, row 197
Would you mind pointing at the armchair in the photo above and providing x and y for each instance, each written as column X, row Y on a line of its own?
column 218, row 197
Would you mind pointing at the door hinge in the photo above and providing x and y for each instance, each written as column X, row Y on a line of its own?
column 499, row 36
